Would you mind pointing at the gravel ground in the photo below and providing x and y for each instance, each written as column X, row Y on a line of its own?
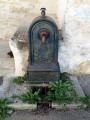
column 55, row 114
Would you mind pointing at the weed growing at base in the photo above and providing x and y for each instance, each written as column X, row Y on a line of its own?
column 30, row 97
column 62, row 92
column 18, row 80
column 5, row 111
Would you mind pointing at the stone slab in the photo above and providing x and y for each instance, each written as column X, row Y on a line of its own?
column 23, row 106
column 85, row 83
column 77, row 86
column 69, row 106
column 8, row 88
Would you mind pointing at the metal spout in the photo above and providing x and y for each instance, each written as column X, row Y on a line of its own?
column 43, row 11
column 43, row 34
column 43, row 38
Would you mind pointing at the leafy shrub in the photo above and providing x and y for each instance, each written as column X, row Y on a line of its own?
column 61, row 92
column 4, row 110
column 18, row 80
column 30, row 97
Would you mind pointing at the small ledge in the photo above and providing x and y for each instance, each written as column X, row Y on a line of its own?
column 23, row 106
column 69, row 106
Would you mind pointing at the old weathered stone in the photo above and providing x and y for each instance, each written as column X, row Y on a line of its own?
column 6, row 62
column 84, row 81
column 1, row 80
column 13, row 12
column 19, row 47
column 75, row 48
column 23, row 106
column 8, row 88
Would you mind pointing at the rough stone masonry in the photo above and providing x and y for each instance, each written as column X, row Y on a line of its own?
column 74, row 50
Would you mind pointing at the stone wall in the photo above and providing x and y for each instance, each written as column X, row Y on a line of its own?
column 12, row 13
column 61, row 8
column 74, row 50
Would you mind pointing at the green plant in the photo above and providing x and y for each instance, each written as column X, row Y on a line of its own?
column 14, row 96
column 64, row 108
column 84, row 100
column 30, row 97
column 18, row 80
column 5, row 111
column 61, row 92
